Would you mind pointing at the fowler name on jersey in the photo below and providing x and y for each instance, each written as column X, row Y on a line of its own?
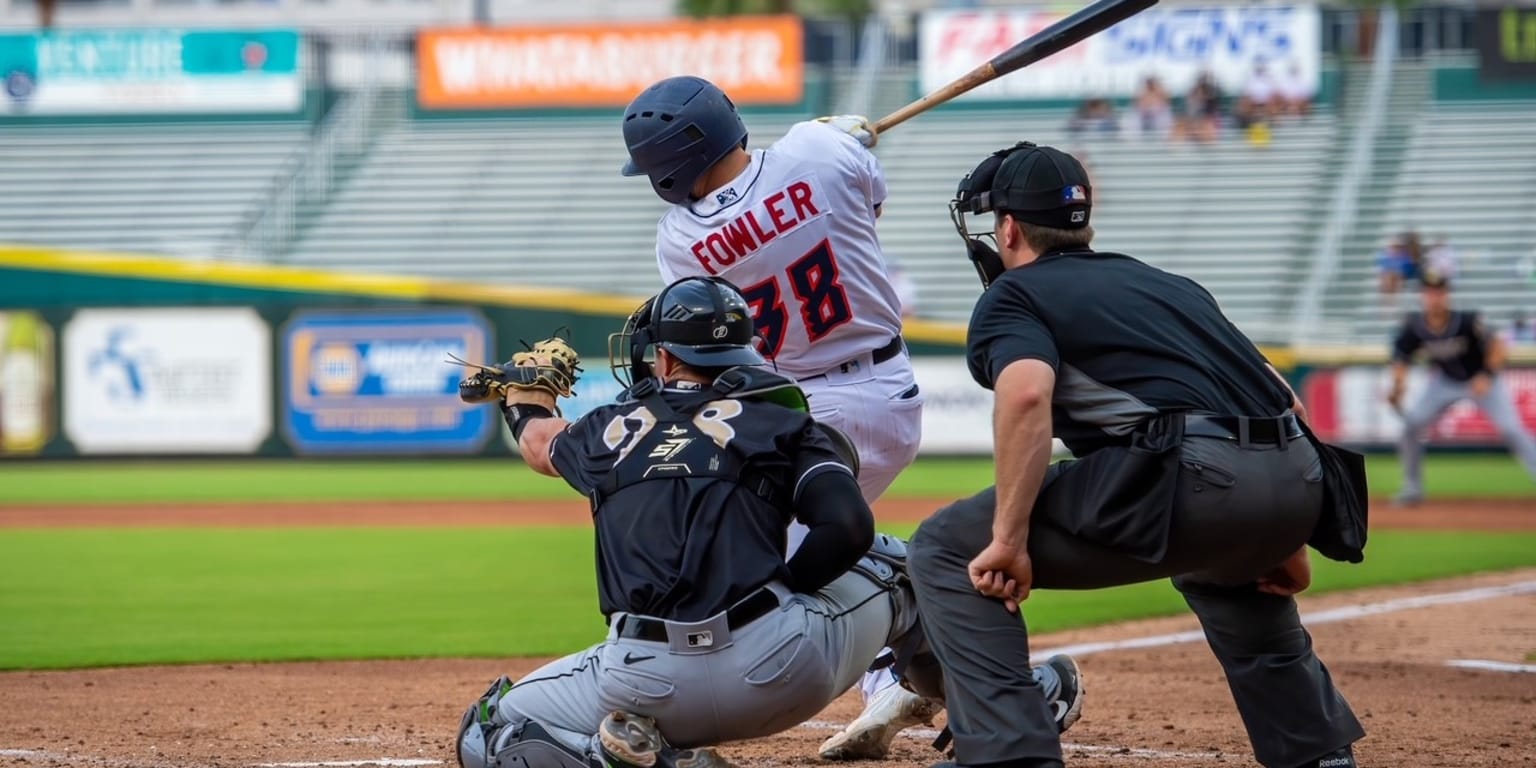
column 777, row 214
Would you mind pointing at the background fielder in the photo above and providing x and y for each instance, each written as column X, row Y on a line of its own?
column 793, row 226
column 1466, row 361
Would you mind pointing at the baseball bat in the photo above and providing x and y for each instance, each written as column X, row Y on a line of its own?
column 1047, row 42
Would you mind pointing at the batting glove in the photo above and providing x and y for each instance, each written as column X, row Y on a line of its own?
column 857, row 126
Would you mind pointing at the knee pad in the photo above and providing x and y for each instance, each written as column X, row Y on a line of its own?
column 886, row 561
column 485, row 740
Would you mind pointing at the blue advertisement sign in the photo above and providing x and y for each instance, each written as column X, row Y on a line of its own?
column 150, row 71
column 381, row 382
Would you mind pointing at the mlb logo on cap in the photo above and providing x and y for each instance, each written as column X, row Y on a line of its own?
column 1074, row 193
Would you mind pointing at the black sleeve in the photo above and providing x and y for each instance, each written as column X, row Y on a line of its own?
column 841, row 530
column 828, row 501
column 1006, row 328
column 581, row 453
column 1406, row 343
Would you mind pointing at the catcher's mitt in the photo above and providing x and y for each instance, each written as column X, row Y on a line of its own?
column 550, row 365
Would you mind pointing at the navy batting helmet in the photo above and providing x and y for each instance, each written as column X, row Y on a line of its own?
column 702, row 321
column 675, row 130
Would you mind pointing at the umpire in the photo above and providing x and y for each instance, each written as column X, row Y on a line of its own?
column 1193, row 464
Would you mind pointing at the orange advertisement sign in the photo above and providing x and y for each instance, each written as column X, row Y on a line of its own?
column 757, row 60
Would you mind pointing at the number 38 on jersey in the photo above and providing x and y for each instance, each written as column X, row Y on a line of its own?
column 815, row 292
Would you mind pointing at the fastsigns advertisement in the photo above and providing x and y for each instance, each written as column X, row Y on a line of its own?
column 382, row 382
column 1348, row 405
column 167, row 380
column 1175, row 44
column 146, row 71
column 757, row 60
column 26, row 383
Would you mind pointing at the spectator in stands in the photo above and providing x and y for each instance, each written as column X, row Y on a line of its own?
column 1262, row 93
column 1294, row 92
column 1252, row 119
column 1521, row 330
column 1400, row 262
column 1094, row 116
column 1201, row 119
column 1441, row 259
column 1154, row 109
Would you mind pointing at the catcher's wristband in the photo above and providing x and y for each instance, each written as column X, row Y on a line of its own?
column 518, row 416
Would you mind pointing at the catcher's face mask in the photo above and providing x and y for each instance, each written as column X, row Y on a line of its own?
column 631, row 351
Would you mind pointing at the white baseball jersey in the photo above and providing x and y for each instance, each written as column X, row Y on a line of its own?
column 796, row 233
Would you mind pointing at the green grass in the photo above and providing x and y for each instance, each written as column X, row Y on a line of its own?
column 145, row 482
column 88, row 597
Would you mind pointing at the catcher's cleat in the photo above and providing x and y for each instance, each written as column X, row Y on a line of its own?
column 633, row 740
column 1062, row 681
column 630, row 739
column 888, row 713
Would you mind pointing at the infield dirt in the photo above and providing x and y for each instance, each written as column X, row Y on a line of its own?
column 1164, row 706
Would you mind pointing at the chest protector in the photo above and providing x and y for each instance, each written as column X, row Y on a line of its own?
column 693, row 436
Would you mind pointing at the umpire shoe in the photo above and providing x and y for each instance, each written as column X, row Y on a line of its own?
column 634, row 741
column 1062, row 682
column 1343, row 758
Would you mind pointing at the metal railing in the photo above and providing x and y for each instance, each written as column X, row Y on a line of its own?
column 314, row 172
column 1344, row 204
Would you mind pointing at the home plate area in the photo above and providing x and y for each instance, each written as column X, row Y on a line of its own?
column 1154, row 695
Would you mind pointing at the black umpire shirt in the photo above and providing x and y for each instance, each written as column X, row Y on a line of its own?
column 1459, row 350
column 1128, row 341
column 691, row 545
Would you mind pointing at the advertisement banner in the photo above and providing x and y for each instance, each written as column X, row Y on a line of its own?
column 26, row 383
column 1506, row 43
column 382, row 382
column 957, row 412
column 1348, row 405
column 1175, row 44
column 167, row 380
column 757, row 60
column 140, row 71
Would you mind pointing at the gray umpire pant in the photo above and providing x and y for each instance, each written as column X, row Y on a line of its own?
column 1239, row 511
column 1442, row 393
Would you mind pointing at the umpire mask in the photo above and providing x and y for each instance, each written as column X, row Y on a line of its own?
column 1031, row 183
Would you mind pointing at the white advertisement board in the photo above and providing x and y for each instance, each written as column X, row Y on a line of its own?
column 167, row 380
column 957, row 412
column 1174, row 43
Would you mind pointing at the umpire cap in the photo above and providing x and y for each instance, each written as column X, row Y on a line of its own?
column 1034, row 184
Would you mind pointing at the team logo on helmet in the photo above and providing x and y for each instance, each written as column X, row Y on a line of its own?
column 720, row 331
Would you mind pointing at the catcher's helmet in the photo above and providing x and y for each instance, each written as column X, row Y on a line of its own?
column 702, row 321
column 1031, row 183
column 676, row 130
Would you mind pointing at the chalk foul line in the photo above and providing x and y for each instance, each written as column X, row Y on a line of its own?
column 1330, row 616
column 1491, row 666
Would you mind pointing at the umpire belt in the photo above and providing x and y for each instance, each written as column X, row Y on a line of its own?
column 744, row 612
column 1244, row 430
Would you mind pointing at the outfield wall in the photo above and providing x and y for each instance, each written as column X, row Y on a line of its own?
column 120, row 355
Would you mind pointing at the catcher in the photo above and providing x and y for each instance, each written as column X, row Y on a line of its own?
column 694, row 476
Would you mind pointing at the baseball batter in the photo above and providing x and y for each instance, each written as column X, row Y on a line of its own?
column 1467, row 360
column 693, row 475
column 794, row 226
